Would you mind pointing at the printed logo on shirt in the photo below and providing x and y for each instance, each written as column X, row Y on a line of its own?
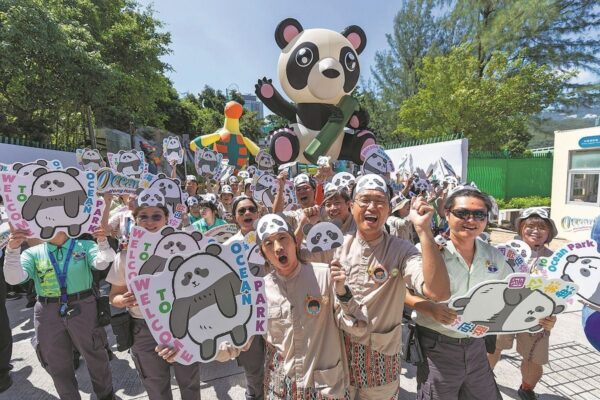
column 78, row 255
column 379, row 274
column 313, row 305
column 492, row 268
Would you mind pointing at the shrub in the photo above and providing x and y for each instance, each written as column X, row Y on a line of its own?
column 524, row 202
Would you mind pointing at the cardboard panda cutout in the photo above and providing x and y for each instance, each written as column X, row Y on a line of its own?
column 318, row 70
column 172, row 243
column 206, row 288
column 89, row 159
column 585, row 272
column 57, row 200
column 172, row 149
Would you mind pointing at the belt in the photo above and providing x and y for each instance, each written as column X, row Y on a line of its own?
column 71, row 297
column 430, row 333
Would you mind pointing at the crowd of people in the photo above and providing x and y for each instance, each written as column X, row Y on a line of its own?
column 335, row 318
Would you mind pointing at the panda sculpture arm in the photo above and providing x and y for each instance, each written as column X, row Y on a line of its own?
column 274, row 101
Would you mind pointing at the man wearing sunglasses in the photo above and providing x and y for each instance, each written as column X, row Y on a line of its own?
column 456, row 366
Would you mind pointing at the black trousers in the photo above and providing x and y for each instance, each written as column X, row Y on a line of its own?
column 6, row 343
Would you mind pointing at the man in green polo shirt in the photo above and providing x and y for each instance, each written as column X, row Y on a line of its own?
column 65, row 315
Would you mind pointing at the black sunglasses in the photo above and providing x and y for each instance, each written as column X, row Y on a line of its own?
column 242, row 210
column 462, row 213
column 153, row 217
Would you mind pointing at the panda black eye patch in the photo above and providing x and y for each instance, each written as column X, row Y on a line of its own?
column 203, row 272
column 58, row 183
column 349, row 60
column 300, row 63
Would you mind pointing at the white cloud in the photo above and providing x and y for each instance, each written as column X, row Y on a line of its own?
column 584, row 77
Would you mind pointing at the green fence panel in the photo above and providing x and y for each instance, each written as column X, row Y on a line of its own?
column 505, row 178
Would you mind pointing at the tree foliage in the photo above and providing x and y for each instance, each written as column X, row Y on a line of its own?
column 491, row 108
column 60, row 57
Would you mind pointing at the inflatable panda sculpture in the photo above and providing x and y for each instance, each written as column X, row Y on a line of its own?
column 318, row 69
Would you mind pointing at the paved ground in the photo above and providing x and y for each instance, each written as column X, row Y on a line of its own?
column 573, row 372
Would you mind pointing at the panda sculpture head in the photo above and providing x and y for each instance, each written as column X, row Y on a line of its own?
column 318, row 65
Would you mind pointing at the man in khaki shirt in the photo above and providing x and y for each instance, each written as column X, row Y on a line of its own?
column 378, row 269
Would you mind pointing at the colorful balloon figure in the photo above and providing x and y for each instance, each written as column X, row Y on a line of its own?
column 590, row 320
column 228, row 140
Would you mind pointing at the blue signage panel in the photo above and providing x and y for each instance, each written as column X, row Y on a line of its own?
column 589, row 141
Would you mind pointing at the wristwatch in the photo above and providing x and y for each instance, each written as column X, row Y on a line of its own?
column 346, row 297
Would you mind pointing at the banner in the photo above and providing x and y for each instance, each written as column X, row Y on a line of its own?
column 426, row 157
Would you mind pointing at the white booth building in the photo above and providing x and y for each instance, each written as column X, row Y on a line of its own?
column 576, row 182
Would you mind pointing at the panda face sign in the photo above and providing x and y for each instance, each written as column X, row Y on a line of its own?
column 324, row 236
column 528, row 312
column 376, row 164
column 342, row 179
column 150, row 198
column 585, row 272
column 28, row 169
column 172, row 149
column 318, row 65
column 421, row 185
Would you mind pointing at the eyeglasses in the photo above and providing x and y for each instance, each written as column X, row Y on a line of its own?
column 462, row 213
column 153, row 217
column 242, row 210
column 364, row 202
column 538, row 228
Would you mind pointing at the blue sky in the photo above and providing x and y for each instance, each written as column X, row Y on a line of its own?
column 218, row 43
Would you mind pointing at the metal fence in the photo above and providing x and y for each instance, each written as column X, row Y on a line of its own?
column 505, row 178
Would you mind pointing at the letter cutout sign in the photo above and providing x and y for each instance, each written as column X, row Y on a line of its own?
column 202, row 299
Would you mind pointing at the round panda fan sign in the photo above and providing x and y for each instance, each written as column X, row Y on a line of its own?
column 45, row 201
column 515, row 304
column 194, row 301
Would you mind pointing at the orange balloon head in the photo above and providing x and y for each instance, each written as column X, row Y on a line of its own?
column 234, row 110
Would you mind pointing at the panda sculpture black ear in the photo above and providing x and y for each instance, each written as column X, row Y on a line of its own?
column 286, row 31
column 357, row 37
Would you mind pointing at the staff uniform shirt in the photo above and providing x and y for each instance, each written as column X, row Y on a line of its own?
column 384, row 301
column 35, row 264
column 307, row 341
column 488, row 264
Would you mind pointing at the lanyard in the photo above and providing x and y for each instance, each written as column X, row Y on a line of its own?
column 61, row 275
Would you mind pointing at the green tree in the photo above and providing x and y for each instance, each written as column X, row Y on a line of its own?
column 562, row 34
column 491, row 109
column 416, row 32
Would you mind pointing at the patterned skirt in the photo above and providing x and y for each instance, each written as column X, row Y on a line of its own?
column 279, row 386
column 369, row 368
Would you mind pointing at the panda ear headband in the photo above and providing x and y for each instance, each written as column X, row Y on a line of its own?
column 370, row 182
column 269, row 225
